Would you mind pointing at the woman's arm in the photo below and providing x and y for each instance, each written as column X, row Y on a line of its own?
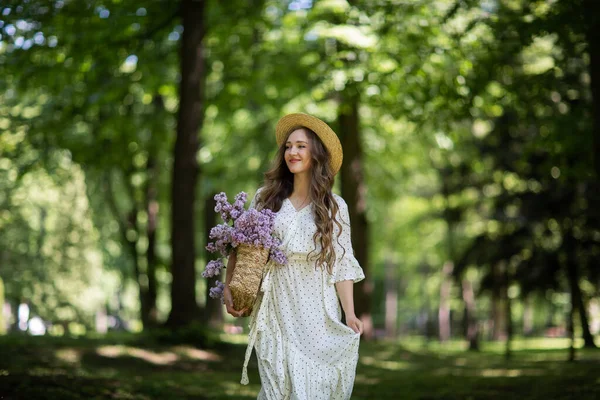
column 230, row 267
column 346, row 295
column 227, row 298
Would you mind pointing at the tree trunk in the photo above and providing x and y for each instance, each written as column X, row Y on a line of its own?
column 444, row 305
column 577, row 302
column 471, row 325
column 508, row 304
column 140, row 278
column 591, row 12
column 185, row 167
column 354, row 193
column 391, row 300
column 444, row 320
column 498, row 308
column 528, row 316
column 213, row 314
column 152, row 211
column 571, row 331
column 127, row 223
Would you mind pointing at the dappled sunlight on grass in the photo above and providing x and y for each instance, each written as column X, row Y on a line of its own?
column 488, row 372
column 418, row 344
column 233, row 338
column 163, row 358
column 197, row 354
column 364, row 380
column 235, row 388
column 531, row 344
column 387, row 353
column 460, row 362
column 68, row 355
column 384, row 364
column 125, row 368
column 494, row 373
column 544, row 344
column 551, row 348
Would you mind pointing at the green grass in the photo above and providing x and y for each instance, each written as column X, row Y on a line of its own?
column 131, row 367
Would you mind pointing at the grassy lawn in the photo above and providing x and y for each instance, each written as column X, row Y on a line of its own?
column 125, row 367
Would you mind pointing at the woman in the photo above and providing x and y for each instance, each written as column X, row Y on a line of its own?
column 304, row 351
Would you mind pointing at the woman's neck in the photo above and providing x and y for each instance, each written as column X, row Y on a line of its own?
column 301, row 186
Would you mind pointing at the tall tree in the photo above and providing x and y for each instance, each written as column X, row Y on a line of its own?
column 573, row 278
column 590, row 12
column 185, row 167
column 354, row 191
column 152, row 206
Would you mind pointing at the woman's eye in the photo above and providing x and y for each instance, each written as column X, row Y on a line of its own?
column 302, row 146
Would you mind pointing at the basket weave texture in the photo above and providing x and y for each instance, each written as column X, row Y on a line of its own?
column 247, row 275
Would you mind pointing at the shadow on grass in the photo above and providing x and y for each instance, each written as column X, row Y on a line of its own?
column 389, row 370
column 118, row 368
column 138, row 367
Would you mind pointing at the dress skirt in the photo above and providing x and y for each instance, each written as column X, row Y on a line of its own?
column 303, row 349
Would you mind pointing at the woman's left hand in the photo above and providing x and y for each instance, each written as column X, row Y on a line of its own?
column 354, row 323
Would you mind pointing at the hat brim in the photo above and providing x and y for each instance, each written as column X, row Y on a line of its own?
column 290, row 122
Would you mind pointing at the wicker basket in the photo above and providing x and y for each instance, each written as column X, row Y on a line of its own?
column 247, row 275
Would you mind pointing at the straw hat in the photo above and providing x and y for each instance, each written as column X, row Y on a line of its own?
column 290, row 122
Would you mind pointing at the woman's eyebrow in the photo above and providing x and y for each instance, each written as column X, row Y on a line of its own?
column 297, row 141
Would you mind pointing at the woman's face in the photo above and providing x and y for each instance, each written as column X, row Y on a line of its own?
column 297, row 152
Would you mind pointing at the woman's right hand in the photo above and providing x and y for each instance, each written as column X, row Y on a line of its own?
column 229, row 303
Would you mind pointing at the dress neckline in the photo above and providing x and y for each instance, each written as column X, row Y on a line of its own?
column 294, row 208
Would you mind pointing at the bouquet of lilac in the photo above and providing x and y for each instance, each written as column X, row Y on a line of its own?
column 250, row 229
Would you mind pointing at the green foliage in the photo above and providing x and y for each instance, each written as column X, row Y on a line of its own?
column 51, row 255
column 475, row 118
column 2, row 319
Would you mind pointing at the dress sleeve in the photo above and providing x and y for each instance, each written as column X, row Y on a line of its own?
column 346, row 266
column 254, row 199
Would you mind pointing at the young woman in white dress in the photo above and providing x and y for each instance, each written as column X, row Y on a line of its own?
column 304, row 351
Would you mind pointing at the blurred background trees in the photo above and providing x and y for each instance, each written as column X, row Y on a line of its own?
column 470, row 134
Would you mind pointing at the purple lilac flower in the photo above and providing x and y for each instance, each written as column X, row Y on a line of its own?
column 221, row 200
column 239, row 201
column 241, row 226
column 255, row 228
column 211, row 248
column 235, row 214
column 213, row 268
column 223, row 207
column 221, row 234
column 278, row 256
column 216, row 292
column 228, row 211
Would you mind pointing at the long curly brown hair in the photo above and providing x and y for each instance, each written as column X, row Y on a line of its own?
column 279, row 184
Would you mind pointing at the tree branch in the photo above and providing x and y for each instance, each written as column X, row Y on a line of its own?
column 150, row 32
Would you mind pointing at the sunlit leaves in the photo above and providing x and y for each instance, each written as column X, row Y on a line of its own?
column 49, row 230
column 349, row 35
column 540, row 55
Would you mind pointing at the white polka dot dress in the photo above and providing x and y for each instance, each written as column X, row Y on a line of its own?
column 304, row 351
